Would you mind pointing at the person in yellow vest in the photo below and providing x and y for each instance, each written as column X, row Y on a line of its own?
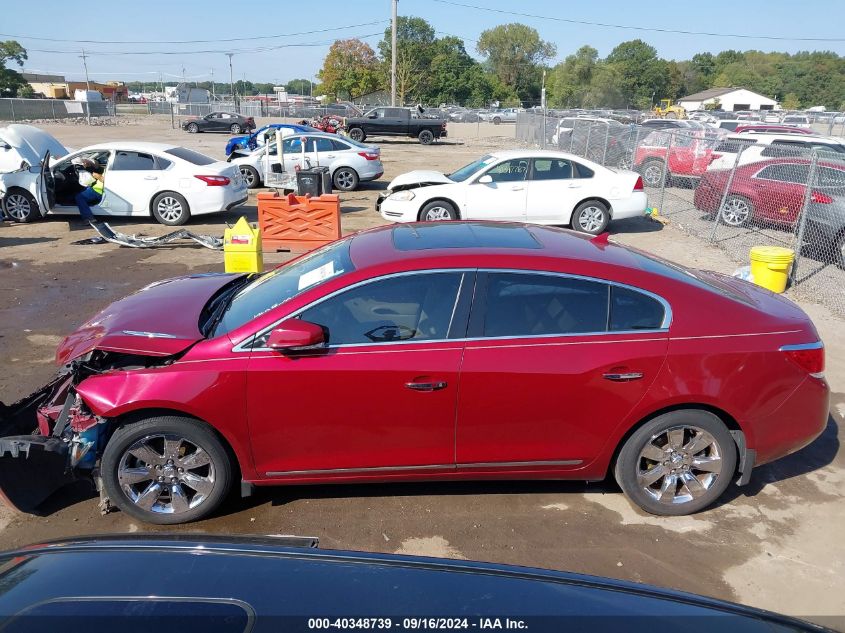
column 92, row 176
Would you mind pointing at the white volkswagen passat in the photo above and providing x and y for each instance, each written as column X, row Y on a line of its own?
column 350, row 163
column 539, row 186
column 167, row 182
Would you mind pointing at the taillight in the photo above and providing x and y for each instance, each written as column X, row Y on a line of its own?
column 214, row 181
column 809, row 357
column 638, row 186
column 715, row 157
column 821, row 198
column 368, row 155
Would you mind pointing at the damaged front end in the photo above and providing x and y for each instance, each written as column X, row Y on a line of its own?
column 50, row 438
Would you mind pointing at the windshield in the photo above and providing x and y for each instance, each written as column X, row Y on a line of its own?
column 468, row 170
column 277, row 286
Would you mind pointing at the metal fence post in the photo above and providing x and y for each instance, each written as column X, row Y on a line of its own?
column 172, row 117
column 53, row 104
column 665, row 174
column 606, row 141
column 726, row 193
column 12, row 105
column 586, row 153
column 802, row 219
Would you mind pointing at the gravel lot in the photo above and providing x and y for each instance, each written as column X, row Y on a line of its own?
column 776, row 543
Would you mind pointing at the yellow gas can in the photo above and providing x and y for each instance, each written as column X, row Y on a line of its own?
column 242, row 248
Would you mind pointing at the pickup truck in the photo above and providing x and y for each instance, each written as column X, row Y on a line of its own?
column 395, row 122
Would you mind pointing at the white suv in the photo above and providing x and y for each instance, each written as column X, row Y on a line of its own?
column 759, row 147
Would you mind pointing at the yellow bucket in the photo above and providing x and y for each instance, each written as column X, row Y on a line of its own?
column 770, row 266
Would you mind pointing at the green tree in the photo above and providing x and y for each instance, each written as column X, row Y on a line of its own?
column 515, row 54
column 570, row 80
column 27, row 92
column 11, row 81
column 643, row 75
column 414, row 53
column 350, row 70
column 453, row 72
column 299, row 86
column 791, row 102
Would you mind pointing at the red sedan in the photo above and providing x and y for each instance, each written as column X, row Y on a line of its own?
column 772, row 190
column 465, row 350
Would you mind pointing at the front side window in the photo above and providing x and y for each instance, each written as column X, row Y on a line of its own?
column 536, row 305
column 468, row 170
column 509, row 171
column 417, row 307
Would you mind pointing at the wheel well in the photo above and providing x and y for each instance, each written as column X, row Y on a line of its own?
column 137, row 416
column 439, row 199
column 594, row 199
column 727, row 419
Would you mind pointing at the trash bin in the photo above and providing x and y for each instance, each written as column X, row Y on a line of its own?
column 242, row 248
column 770, row 266
column 314, row 181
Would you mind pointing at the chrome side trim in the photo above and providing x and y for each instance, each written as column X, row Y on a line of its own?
column 801, row 346
column 377, row 469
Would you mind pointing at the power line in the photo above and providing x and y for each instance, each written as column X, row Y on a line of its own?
column 642, row 28
column 214, row 41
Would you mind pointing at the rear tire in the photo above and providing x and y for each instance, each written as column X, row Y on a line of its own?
column 345, row 179
column 591, row 217
column 171, row 209
column 438, row 211
column 199, row 459
column 357, row 134
column 20, row 206
column 736, row 212
column 426, row 137
column 654, row 173
column 193, row 128
column 661, row 477
column 497, row 120
column 250, row 176
column 235, row 129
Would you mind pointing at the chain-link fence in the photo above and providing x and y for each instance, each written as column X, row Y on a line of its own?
column 20, row 110
column 734, row 191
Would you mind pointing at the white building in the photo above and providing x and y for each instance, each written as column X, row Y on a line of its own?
column 729, row 100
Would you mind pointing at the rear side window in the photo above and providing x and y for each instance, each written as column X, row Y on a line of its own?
column 537, row 305
column 632, row 310
column 553, row 169
column 191, row 156
column 583, row 172
column 786, row 148
column 339, row 146
column 734, row 145
column 786, row 172
column 133, row 161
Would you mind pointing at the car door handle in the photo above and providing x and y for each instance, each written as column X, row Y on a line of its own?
column 623, row 377
column 150, row 177
column 518, row 188
column 330, row 155
column 573, row 185
column 426, row 386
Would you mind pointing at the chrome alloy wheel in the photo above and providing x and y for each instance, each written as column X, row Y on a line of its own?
column 344, row 179
column 170, row 209
column 249, row 176
column 436, row 214
column 653, row 174
column 679, row 464
column 18, row 206
column 736, row 212
column 166, row 474
column 591, row 218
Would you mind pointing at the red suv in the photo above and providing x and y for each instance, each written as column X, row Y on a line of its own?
column 442, row 351
column 666, row 154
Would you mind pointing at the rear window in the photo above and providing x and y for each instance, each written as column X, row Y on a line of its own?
column 191, row 156
column 734, row 145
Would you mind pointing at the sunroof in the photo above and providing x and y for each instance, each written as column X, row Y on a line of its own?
column 462, row 235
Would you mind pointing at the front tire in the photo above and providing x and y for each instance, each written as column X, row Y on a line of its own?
column 497, row 121
column 678, row 463
column 591, row 217
column 166, row 470
column 438, row 211
column 21, row 207
column 736, row 212
column 345, row 179
column 357, row 134
column 171, row 209
column 250, row 176
column 426, row 137
column 235, row 129
column 653, row 173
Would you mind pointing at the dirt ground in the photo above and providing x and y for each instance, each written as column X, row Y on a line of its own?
column 776, row 543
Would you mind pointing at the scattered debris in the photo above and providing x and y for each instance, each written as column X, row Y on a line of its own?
column 108, row 234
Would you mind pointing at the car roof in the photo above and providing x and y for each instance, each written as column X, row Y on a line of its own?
column 138, row 146
column 832, row 140
column 536, row 153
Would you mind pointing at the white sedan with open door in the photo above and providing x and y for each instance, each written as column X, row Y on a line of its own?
column 166, row 182
column 538, row 186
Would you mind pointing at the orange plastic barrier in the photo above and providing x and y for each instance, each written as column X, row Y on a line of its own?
column 298, row 222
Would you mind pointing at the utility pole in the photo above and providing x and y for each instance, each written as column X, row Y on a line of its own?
column 231, row 76
column 213, row 98
column 393, row 54
column 85, row 65
column 87, row 88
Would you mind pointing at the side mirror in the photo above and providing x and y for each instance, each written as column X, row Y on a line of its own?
column 295, row 334
column 486, row 179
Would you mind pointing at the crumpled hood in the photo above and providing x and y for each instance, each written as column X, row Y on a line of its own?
column 159, row 320
column 31, row 143
column 417, row 177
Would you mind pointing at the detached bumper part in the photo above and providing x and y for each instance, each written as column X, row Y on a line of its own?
column 108, row 234
column 32, row 467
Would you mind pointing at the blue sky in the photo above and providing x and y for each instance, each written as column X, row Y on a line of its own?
column 154, row 20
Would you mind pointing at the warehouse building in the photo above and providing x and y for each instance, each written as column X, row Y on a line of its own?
column 728, row 99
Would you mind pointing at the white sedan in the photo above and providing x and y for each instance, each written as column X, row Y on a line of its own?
column 539, row 186
column 167, row 182
column 350, row 163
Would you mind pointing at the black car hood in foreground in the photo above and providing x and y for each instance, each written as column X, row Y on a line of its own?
column 281, row 584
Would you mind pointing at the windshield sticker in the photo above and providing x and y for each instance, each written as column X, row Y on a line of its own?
column 317, row 275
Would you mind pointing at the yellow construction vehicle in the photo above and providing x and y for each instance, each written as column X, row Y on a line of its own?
column 668, row 111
